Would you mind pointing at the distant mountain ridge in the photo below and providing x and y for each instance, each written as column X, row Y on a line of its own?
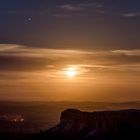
column 102, row 125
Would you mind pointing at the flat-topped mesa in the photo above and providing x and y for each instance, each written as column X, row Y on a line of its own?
column 76, row 115
column 74, row 123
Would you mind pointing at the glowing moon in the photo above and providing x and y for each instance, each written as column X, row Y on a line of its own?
column 71, row 72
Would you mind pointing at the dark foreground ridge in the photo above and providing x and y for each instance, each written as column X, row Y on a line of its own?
column 103, row 125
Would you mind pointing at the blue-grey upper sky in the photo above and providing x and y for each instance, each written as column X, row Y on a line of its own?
column 97, row 24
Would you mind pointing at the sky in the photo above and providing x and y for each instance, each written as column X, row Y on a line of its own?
column 41, row 39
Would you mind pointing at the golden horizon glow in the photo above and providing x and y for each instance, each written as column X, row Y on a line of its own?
column 71, row 72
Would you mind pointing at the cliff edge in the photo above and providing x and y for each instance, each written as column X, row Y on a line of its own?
column 74, row 124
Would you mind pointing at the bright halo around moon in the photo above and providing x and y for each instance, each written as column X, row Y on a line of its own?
column 71, row 72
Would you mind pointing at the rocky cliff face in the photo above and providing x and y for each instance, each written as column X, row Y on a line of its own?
column 75, row 124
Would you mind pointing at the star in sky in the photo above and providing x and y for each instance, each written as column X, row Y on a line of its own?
column 29, row 19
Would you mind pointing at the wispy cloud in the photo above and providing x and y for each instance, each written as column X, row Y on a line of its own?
column 70, row 7
column 94, row 8
column 80, row 7
column 23, row 58
column 90, row 8
column 127, row 52
column 134, row 14
column 7, row 47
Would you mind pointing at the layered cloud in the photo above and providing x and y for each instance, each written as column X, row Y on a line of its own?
column 35, row 73
column 25, row 59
